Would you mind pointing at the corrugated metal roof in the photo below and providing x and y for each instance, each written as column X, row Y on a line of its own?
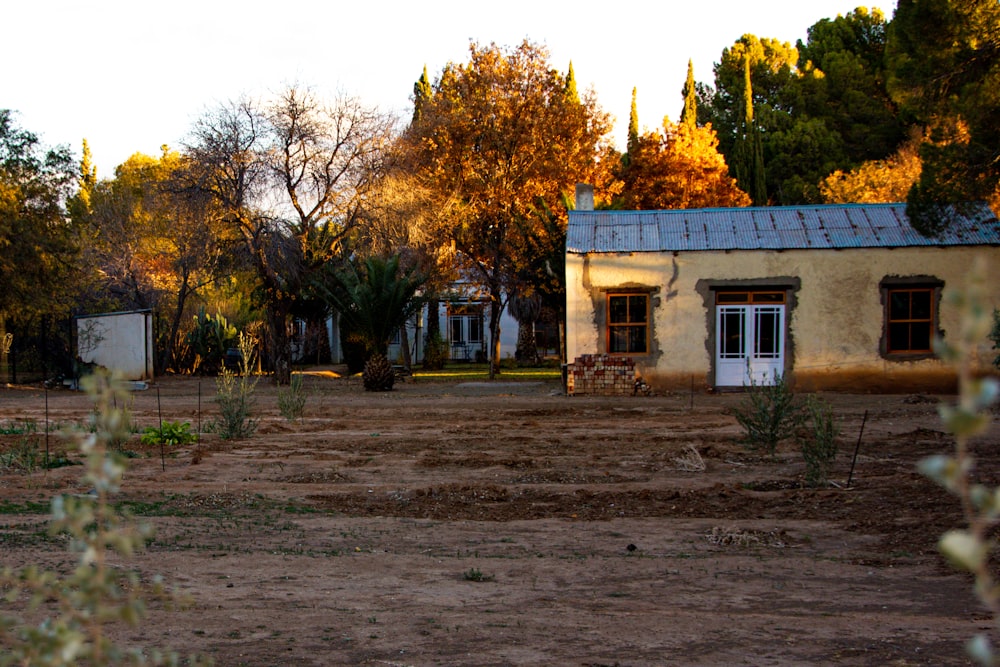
column 770, row 228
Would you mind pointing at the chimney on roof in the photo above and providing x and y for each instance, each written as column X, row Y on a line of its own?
column 584, row 197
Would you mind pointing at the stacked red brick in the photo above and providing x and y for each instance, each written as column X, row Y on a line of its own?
column 601, row 374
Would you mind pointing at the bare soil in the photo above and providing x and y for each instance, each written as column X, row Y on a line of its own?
column 507, row 524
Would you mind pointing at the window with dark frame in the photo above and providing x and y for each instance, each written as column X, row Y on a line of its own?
column 628, row 323
column 909, row 320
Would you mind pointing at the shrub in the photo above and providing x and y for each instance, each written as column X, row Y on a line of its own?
column 435, row 352
column 292, row 401
column 170, row 433
column 235, row 395
column 769, row 414
column 818, row 441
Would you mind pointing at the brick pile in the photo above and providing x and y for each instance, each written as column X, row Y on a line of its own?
column 601, row 374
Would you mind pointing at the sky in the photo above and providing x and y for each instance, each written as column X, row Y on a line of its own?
column 133, row 75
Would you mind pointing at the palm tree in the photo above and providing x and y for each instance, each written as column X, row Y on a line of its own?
column 375, row 300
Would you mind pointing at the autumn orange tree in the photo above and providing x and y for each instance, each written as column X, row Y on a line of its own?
column 876, row 181
column 497, row 140
column 679, row 167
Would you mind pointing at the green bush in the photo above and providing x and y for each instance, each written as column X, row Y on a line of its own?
column 769, row 414
column 818, row 441
column 292, row 401
column 235, row 395
column 170, row 433
column 435, row 352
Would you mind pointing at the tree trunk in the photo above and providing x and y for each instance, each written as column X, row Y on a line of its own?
column 281, row 351
column 527, row 348
column 175, row 326
column 496, row 310
column 404, row 339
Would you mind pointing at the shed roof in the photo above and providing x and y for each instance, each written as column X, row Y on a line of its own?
column 835, row 226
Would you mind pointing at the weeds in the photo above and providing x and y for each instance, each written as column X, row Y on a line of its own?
column 292, row 401
column 475, row 574
column 27, row 456
column 818, row 441
column 19, row 427
column 769, row 414
column 690, row 460
column 235, row 396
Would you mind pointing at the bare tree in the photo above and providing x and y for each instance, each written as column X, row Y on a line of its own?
column 291, row 175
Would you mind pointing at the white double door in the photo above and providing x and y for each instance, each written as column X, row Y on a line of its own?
column 750, row 342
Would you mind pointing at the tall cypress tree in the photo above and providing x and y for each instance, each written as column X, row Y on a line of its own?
column 750, row 147
column 689, row 114
column 633, row 130
column 572, row 95
column 422, row 93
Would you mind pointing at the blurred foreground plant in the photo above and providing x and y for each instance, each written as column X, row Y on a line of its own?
column 77, row 608
column 970, row 548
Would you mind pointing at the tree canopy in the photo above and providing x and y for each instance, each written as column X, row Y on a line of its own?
column 290, row 177
column 502, row 137
column 944, row 60
column 38, row 243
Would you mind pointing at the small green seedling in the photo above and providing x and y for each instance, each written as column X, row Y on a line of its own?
column 474, row 574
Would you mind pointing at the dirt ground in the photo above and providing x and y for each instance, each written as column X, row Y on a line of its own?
column 507, row 524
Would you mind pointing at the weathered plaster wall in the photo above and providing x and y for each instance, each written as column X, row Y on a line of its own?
column 835, row 320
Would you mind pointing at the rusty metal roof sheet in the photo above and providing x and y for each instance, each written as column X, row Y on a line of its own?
column 835, row 226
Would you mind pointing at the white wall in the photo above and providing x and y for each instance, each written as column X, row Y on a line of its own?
column 121, row 342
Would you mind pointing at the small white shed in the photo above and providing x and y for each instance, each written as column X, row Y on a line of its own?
column 121, row 342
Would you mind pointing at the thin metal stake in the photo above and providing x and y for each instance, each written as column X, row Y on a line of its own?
column 159, row 410
column 857, row 448
column 46, row 428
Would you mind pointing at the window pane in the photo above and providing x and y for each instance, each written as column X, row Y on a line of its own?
column 766, row 334
column 617, row 309
column 732, row 297
column 920, row 305
column 732, row 334
column 637, row 339
column 475, row 330
column 618, row 339
column 899, row 337
column 920, row 337
column 456, row 330
column 637, row 309
column 899, row 305
column 769, row 297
